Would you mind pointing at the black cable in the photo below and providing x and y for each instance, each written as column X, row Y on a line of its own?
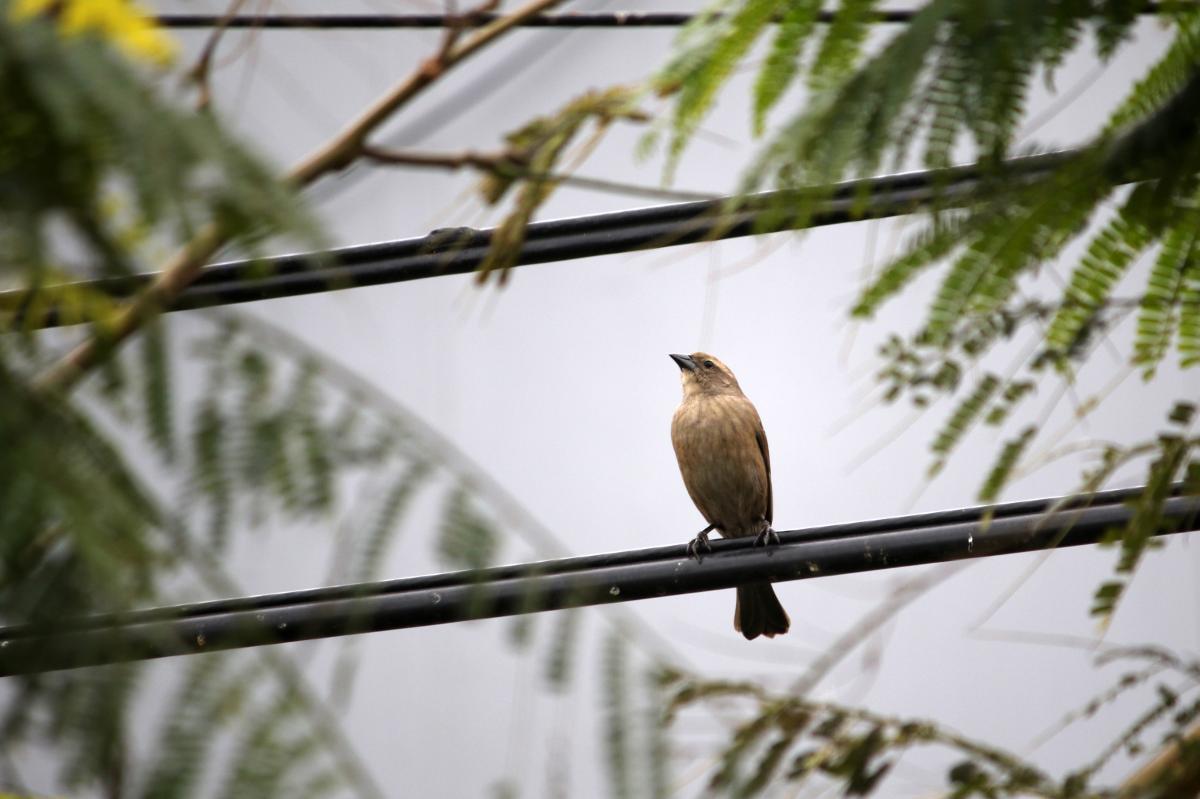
column 572, row 582
column 568, row 565
column 580, row 19
column 454, row 102
column 613, row 19
column 461, row 250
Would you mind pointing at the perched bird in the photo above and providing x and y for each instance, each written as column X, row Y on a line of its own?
column 726, row 467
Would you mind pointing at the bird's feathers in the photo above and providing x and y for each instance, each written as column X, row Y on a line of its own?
column 726, row 467
column 723, row 457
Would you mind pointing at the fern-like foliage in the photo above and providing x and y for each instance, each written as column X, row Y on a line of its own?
column 793, row 739
column 1006, row 461
column 633, row 713
column 956, row 68
column 618, row 717
column 276, row 437
column 959, row 74
column 1159, row 315
column 84, row 534
column 1110, row 254
column 782, row 738
column 89, row 143
column 963, row 417
column 560, row 660
column 1174, row 464
column 131, row 491
column 467, row 540
column 795, row 24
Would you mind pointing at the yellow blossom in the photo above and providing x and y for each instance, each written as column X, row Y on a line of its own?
column 120, row 21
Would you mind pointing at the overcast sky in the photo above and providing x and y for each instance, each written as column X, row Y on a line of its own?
column 560, row 388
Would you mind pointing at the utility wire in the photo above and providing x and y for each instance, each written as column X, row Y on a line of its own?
column 613, row 19
column 452, row 251
column 579, row 19
column 574, row 582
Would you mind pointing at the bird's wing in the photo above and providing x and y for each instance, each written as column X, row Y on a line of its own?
column 760, row 436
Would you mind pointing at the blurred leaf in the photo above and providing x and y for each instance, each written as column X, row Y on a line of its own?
column 466, row 539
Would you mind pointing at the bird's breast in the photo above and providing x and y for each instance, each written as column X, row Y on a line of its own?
column 722, row 465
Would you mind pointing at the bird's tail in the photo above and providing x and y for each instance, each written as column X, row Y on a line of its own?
column 758, row 612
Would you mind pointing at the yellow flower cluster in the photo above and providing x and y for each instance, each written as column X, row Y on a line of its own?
column 120, row 21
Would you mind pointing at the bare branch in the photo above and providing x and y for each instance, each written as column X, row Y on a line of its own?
column 200, row 71
column 1165, row 774
column 509, row 166
column 186, row 264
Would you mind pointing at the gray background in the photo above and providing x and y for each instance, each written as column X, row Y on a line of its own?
column 560, row 388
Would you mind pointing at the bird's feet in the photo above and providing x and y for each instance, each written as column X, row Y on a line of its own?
column 700, row 542
column 767, row 536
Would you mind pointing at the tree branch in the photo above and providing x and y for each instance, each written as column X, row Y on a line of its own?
column 200, row 71
column 186, row 264
column 506, row 165
column 1165, row 775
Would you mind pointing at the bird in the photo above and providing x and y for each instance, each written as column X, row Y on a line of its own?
column 722, row 451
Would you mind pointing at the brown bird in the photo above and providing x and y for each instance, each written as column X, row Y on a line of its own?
column 726, row 467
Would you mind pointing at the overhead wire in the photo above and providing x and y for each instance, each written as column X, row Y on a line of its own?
column 452, row 251
column 575, row 582
column 574, row 19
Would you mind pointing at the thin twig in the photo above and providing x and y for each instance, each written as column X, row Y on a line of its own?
column 1155, row 772
column 509, row 507
column 847, row 642
column 185, row 266
column 200, row 72
column 506, row 165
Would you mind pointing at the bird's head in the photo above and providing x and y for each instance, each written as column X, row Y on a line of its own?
column 702, row 373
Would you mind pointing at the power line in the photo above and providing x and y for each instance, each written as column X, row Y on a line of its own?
column 461, row 250
column 573, row 582
column 1123, row 160
column 613, row 19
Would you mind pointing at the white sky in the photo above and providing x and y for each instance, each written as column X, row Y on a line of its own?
column 560, row 388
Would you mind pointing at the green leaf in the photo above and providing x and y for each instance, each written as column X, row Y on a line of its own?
column 1189, row 313
column 466, row 539
column 1109, row 255
column 923, row 250
column 1165, row 77
column 783, row 61
column 713, row 63
column 156, row 391
column 1159, row 312
column 961, row 419
column 767, row 766
column 617, row 716
column 1148, row 517
column 842, row 43
column 191, row 725
column 658, row 749
column 560, row 658
column 382, row 531
column 1001, row 470
column 745, row 738
column 945, row 98
column 1182, row 413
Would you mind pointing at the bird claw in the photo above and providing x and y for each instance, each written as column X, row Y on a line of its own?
column 767, row 536
column 700, row 542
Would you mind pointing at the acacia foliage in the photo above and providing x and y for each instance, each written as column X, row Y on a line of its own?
column 955, row 80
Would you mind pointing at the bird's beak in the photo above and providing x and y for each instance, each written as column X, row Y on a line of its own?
column 684, row 362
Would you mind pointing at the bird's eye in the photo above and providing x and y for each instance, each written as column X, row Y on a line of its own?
column 708, row 364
